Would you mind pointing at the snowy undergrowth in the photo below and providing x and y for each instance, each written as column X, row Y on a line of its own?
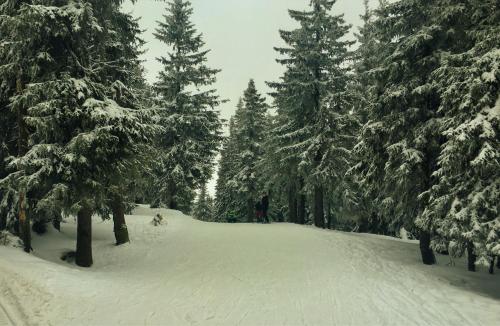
column 188, row 272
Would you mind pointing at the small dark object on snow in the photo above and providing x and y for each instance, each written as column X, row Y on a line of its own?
column 157, row 220
column 69, row 256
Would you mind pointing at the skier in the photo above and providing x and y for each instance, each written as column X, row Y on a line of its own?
column 265, row 207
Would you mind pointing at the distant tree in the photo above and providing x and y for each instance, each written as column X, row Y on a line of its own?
column 315, row 103
column 191, row 133
column 250, row 131
column 203, row 208
column 239, row 188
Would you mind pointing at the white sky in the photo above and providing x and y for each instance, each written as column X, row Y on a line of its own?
column 241, row 35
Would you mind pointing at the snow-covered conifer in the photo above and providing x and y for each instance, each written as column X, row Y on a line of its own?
column 464, row 204
column 191, row 137
column 81, row 137
column 203, row 208
column 227, row 204
column 251, row 123
column 314, row 98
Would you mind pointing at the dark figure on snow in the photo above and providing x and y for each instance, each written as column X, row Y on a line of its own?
column 265, row 207
column 258, row 211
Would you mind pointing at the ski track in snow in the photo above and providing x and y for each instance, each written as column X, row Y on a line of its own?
column 193, row 273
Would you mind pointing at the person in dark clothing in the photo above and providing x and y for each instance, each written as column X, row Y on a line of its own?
column 265, row 207
column 258, row 211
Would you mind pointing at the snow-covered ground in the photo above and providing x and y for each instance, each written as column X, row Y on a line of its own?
column 194, row 273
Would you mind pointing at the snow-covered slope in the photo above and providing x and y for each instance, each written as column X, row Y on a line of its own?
column 193, row 273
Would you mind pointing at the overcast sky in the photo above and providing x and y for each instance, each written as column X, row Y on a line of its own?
column 241, row 35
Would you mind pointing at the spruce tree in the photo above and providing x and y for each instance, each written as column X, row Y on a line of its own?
column 191, row 126
column 314, row 99
column 249, row 138
column 463, row 206
column 401, row 143
column 367, row 57
column 203, row 208
column 17, row 59
column 81, row 138
column 227, row 204
column 121, row 48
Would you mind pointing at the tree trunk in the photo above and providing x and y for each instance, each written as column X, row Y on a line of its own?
column 329, row 215
column 56, row 222
column 250, row 211
column 492, row 266
column 24, row 224
column 301, row 216
column 171, row 202
column 292, row 203
column 471, row 257
column 22, row 147
column 498, row 262
column 319, row 214
column 119, row 224
column 428, row 257
column 3, row 222
column 84, row 238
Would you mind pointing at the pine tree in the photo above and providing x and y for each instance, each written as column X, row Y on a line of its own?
column 271, row 174
column 82, row 139
column 463, row 207
column 367, row 58
column 16, row 45
column 124, row 72
column 314, row 98
column 192, row 128
column 203, row 208
column 238, row 186
column 250, row 123
column 227, row 205
column 401, row 142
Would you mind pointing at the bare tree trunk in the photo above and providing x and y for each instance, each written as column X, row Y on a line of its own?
column 292, row 202
column 498, row 262
column 319, row 214
column 119, row 224
column 492, row 266
column 22, row 147
column 83, row 256
column 428, row 257
column 250, row 211
column 471, row 257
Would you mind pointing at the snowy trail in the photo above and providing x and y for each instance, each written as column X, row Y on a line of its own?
column 194, row 273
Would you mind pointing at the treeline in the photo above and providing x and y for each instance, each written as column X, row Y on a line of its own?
column 82, row 133
column 401, row 133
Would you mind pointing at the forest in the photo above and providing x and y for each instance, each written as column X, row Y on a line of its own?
column 395, row 133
